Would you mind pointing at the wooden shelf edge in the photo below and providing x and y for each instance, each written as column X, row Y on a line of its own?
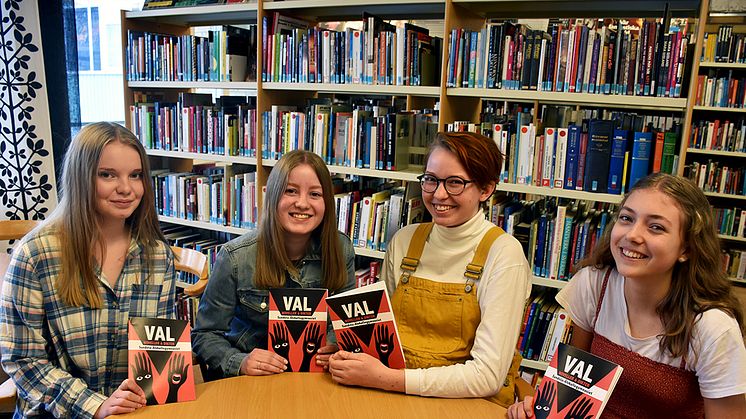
column 234, row 85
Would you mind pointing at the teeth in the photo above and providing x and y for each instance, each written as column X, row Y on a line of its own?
column 631, row 254
column 442, row 207
column 302, row 216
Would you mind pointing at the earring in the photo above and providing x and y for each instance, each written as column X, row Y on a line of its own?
column 682, row 259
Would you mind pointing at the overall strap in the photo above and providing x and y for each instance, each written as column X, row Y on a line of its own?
column 416, row 245
column 475, row 269
column 601, row 296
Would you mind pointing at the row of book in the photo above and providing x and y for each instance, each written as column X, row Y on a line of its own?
column 208, row 195
column 545, row 325
column 722, row 135
column 555, row 234
column 360, row 135
column 228, row 54
column 734, row 263
column 194, row 123
column 724, row 46
column 727, row 91
column 379, row 53
column 594, row 155
column 602, row 56
column 717, row 177
column 730, row 221
column 370, row 219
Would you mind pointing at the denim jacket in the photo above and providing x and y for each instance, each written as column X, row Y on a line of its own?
column 233, row 314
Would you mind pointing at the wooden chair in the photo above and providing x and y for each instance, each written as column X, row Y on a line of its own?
column 193, row 262
column 10, row 230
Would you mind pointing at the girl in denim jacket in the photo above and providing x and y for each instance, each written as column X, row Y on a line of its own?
column 297, row 245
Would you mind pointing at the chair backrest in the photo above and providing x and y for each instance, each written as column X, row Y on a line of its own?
column 193, row 262
column 16, row 229
column 13, row 230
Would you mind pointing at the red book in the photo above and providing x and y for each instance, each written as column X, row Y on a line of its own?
column 576, row 384
column 297, row 326
column 160, row 359
column 363, row 322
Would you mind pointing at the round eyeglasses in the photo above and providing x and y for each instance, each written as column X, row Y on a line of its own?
column 454, row 185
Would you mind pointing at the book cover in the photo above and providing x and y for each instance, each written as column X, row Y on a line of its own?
column 364, row 322
column 160, row 359
column 616, row 164
column 297, row 326
column 600, row 133
column 641, row 150
column 576, row 384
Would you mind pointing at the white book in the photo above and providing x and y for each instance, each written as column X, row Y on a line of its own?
column 365, row 209
column 559, row 229
column 559, row 158
column 559, row 330
column 547, row 168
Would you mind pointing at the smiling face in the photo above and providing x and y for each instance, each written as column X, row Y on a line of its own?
column 119, row 183
column 301, row 207
column 646, row 240
column 451, row 210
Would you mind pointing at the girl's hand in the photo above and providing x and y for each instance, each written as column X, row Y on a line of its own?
column 361, row 369
column 323, row 355
column 263, row 362
column 126, row 399
column 522, row 410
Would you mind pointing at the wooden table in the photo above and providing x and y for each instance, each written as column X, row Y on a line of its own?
column 312, row 395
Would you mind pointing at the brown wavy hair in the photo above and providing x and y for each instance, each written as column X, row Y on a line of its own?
column 75, row 221
column 699, row 283
column 480, row 156
column 272, row 261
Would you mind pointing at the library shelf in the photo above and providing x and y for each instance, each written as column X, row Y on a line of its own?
column 586, row 99
column 202, row 157
column 722, row 65
column 719, row 109
column 537, row 365
column 546, row 282
column 716, row 152
column 732, row 238
column 233, row 85
column 725, row 195
column 200, row 15
column 356, row 89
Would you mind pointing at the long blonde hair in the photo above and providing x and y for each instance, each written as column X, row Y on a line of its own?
column 272, row 261
column 699, row 283
column 75, row 221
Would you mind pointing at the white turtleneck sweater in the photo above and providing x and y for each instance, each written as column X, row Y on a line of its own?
column 501, row 294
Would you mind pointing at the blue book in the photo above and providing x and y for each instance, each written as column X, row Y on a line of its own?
column 571, row 159
column 597, row 157
column 641, row 150
column 616, row 165
column 540, row 240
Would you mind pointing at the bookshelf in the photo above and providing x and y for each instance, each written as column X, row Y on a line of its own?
column 454, row 103
column 716, row 153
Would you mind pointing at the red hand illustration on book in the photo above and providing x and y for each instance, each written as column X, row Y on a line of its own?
column 349, row 342
column 543, row 401
column 580, row 409
column 384, row 342
column 311, row 344
column 280, row 342
column 143, row 373
column 177, row 376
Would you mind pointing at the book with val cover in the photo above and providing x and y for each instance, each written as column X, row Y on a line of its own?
column 160, row 359
column 576, row 384
column 364, row 322
column 297, row 326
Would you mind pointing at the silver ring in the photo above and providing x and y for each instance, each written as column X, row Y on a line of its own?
column 259, row 365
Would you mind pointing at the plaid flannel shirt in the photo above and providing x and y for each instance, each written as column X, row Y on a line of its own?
column 67, row 360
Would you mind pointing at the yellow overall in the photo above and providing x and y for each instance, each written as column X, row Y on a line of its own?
column 438, row 321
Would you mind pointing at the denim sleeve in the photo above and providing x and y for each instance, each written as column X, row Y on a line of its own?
column 216, row 310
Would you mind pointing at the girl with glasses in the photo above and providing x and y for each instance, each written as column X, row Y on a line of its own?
column 458, row 296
